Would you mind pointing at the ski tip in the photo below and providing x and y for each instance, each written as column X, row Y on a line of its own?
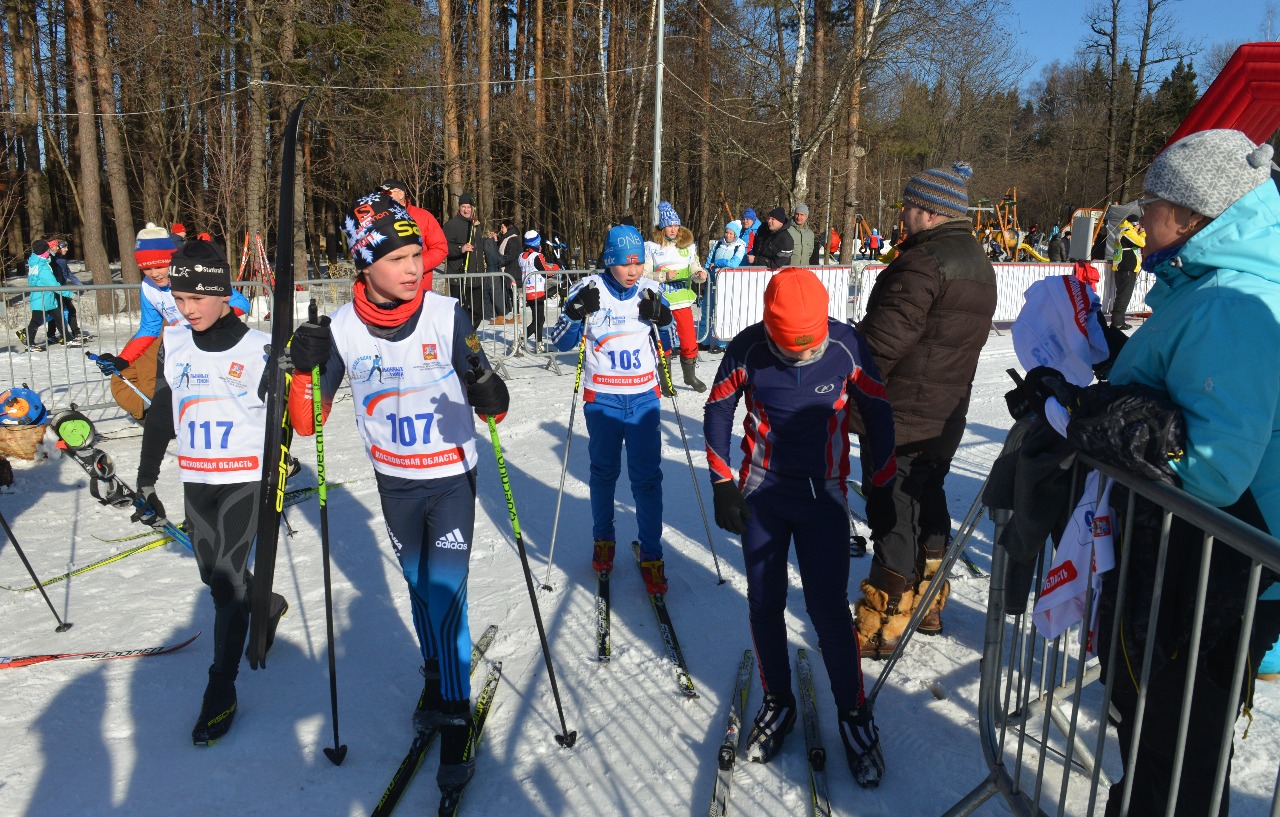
column 336, row 756
column 567, row 740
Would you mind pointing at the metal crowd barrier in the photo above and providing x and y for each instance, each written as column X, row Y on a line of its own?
column 738, row 296
column 1044, row 704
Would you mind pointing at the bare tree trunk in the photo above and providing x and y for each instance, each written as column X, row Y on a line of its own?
column 1108, row 30
column 95, row 254
column 635, row 110
column 452, row 158
column 852, row 157
column 705, row 212
column 113, row 147
column 604, row 141
column 20, row 18
column 485, row 26
column 256, row 177
column 539, row 110
column 1135, row 107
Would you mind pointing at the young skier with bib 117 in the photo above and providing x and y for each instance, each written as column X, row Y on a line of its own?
column 803, row 376
column 210, row 392
column 614, row 315
column 418, row 428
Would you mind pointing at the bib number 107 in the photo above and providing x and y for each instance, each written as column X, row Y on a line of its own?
column 404, row 429
column 626, row 359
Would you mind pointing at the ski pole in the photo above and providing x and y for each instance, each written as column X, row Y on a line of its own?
column 564, row 466
column 666, row 373
column 136, row 390
column 566, row 738
column 63, row 626
column 338, row 751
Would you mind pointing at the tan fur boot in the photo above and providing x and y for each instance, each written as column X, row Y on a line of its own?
column 882, row 615
column 931, row 624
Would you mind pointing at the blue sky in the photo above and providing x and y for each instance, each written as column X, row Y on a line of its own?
column 1053, row 30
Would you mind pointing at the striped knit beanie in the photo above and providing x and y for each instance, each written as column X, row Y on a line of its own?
column 941, row 190
column 153, row 248
column 667, row 215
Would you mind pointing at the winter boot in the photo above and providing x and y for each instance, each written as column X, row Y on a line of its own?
column 777, row 717
column 217, row 711
column 457, row 749
column 429, row 713
column 883, row 612
column 687, row 368
column 862, row 747
column 602, row 557
column 654, row 574
column 931, row 624
column 277, row 610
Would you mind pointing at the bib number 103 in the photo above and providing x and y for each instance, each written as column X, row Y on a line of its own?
column 404, row 429
column 209, row 432
column 626, row 359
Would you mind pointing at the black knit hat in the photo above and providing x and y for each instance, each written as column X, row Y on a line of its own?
column 940, row 190
column 199, row 267
column 376, row 226
column 39, row 247
column 465, row 198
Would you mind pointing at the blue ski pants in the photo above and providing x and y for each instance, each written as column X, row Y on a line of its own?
column 813, row 514
column 431, row 523
column 631, row 419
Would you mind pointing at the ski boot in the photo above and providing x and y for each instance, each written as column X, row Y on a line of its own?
column 687, row 368
column 777, row 717
column 457, row 753
column 217, row 710
column 654, row 574
column 428, row 715
column 862, row 747
column 276, row 612
column 602, row 556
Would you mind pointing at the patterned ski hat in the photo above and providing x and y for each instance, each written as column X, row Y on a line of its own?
column 377, row 225
column 667, row 216
column 795, row 309
column 153, row 247
column 1209, row 171
column 532, row 239
column 623, row 246
column 941, row 190
column 200, row 268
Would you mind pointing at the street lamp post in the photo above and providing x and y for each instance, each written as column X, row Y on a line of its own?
column 655, row 193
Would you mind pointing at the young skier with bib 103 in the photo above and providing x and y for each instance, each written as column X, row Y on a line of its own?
column 210, row 392
column 614, row 315
column 417, row 424
column 803, row 375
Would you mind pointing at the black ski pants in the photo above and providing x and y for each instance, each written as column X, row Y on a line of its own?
column 224, row 520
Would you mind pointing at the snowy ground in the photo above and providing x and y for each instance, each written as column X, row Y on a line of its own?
column 100, row 738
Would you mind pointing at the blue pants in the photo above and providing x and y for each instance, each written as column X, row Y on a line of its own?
column 813, row 513
column 431, row 523
column 633, row 419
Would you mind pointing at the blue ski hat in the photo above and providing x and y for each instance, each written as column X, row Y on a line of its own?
column 667, row 216
column 532, row 239
column 734, row 227
column 623, row 246
column 751, row 214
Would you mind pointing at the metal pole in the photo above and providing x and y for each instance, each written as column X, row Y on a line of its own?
column 655, row 191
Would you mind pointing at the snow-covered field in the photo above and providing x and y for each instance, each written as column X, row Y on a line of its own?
column 112, row 737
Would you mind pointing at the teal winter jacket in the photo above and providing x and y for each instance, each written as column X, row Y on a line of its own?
column 1213, row 344
column 40, row 274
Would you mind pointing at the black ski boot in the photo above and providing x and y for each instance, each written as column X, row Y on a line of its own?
column 429, row 713
column 862, row 747
column 217, row 711
column 687, row 368
column 777, row 717
column 277, row 610
column 457, row 753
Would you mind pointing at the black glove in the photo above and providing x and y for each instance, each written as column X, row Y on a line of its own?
column 312, row 345
column 586, row 302
column 150, row 510
column 487, row 393
column 1044, row 382
column 653, row 310
column 1116, row 339
column 731, row 508
column 111, row 364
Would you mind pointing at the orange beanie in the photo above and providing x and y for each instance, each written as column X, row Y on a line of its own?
column 795, row 309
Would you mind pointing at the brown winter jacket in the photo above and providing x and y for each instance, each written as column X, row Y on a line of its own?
column 927, row 320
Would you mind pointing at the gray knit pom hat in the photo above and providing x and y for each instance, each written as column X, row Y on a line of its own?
column 1209, row 171
column 941, row 190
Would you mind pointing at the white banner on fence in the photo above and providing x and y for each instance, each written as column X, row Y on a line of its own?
column 1012, row 281
column 740, row 296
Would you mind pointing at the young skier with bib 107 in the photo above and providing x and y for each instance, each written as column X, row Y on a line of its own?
column 804, row 376
column 210, row 392
column 417, row 425
column 614, row 315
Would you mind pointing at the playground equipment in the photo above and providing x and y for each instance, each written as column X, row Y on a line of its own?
column 997, row 227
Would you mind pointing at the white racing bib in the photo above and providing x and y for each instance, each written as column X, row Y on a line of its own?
column 218, row 417
column 620, row 357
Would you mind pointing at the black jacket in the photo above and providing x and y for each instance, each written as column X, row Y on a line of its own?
column 773, row 249
column 1057, row 250
column 459, row 231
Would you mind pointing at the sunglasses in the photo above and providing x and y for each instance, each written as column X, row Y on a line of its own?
column 1144, row 202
